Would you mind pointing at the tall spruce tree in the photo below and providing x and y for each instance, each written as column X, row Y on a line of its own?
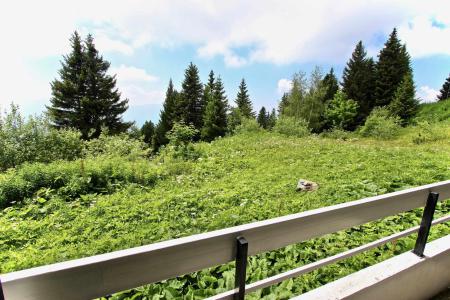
column 405, row 105
column 65, row 109
column 331, row 85
column 147, row 131
column 263, row 118
column 444, row 93
column 243, row 101
column 211, row 80
column 284, row 101
column 86, row 97
column 392, row 66
column 167, row 117
column 272, row 119
column 358, row 81
column 215, row 119
column 208, row 89
column 192, row 101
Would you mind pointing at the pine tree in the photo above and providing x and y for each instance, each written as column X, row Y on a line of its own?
column 215, row 120
column 358, row 81
column 284, row 102
column 405, row 105
column 243, row 101
column 167, row 117
column 65, row 109
column 272, row 119
column 192, row 104
column 147, row 131
column 208, row 89
column 445, row 91
column 86, row 97
column 330, row 84
column 263, row 118
column 211, row 80
column 393, row 64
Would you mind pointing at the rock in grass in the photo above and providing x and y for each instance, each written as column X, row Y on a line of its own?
column 306, row 185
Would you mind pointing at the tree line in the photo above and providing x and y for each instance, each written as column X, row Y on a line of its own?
column 85, row 97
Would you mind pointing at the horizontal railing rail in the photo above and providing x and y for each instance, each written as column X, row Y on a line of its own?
column 99, row 275
column 252, row 287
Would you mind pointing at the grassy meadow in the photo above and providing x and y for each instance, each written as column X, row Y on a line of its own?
column 70, row 209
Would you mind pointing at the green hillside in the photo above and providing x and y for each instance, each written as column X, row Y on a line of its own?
column 435, row 112
column 65, row 210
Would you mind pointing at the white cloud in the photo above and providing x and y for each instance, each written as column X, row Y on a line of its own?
column 132, row 74
column 139, row 95
column 284, row 85
column 427, row 94
column 136, row 85
column 241, row 32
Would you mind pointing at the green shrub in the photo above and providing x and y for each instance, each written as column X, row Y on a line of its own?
column 180, row 142
column 380, row 124
column 340, row 111
column 116, row 145
column 248, row 126
column 34, row 140
column 70, row 179
column 426, row 132
column 291, row 126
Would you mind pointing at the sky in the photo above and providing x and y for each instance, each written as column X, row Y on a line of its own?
column 264, row 41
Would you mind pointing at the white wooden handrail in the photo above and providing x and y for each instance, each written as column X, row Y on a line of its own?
column 252, row 287
column 99, row 275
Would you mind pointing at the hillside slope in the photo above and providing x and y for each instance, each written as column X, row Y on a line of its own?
column 236, row 180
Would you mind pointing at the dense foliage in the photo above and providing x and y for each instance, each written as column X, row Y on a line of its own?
column 106, row 202
column 34, row 140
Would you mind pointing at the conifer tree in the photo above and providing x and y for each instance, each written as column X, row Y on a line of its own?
column 284, row 102
column 167, row 117
column 263, row 118
column 65, row 109
column 393, row 64
column 86, row 97
column 358, row 81
column 208, row 89
column 147, row 131
column 243, row 101
column 211, row 80
column 444, row 93
column 215, row 119
column 405, row 105
column 330, row 84
column 192, row 102
column 272, row 119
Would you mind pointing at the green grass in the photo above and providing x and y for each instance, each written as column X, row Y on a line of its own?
column 237, row 180
column 435, row 112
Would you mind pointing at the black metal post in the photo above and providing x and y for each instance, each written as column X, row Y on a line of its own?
column 241, row 265
column 425, row 224
column 2, row 297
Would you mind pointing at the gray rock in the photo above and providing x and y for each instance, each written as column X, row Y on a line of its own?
column 306, row 185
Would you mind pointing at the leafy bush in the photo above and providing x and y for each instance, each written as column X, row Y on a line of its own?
column 291, row 126
column 34, row 140
column 248, row 126
column 340, row 111
column 116, row 145
column 72, row 179
column 426, row 132
column 380, row 124
column 180, row 142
